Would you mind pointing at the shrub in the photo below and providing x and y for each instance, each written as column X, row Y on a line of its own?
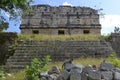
column 114, row 60
column 2, row 74
column 37, row 66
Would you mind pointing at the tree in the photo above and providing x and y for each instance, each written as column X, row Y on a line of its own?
column 116, row 30
column 13, row 8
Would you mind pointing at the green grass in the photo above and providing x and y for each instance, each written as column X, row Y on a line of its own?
column 87, row 61
column 61, row 37
column 81, row 61
column 14, row 76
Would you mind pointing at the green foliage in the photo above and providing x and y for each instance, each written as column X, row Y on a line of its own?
column 2, row 74
column 114, row 60
column 116, row 30
column 13, row 76
column 36, row 67
column 3, row 25
column 10, row 4
column 6, row 40
column 13, row 8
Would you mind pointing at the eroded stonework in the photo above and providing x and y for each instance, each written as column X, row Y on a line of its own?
column 45, row 19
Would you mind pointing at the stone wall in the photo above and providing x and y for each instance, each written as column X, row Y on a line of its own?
column 105, row 71
column 55, row 31
column 45, row 17
column 114, row 39
column 58, row 50
column 6, row 40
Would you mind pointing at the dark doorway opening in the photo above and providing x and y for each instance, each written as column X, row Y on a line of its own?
column 35, row 32
column 61, row 32
column 86, row 31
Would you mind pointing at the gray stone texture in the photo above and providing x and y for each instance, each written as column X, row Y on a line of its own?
column 68, row 66
column 84, row 76
column 116, row 70
column 58, row 50
column 94, row 75
column 75, row 73
column 114, row 39
column 54, row 69
column 104, row 66
column 60, row 78
column 76, row 69
column 75, row 76
column 54, row 76
column 65, row 75
column 107, row 75
column 43, row 78
column 88, row 74
column 46, row 19
column 87, row 69
column 116, row 76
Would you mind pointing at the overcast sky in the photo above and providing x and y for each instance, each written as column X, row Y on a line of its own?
column 110, row 9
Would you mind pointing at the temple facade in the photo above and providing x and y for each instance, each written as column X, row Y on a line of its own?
column 61, row 20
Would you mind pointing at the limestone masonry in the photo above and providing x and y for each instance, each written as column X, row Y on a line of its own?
column 58, row 50
column 61, row 20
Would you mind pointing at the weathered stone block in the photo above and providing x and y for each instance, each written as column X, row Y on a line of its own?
column 107, row 75
column 117, row 70
column 54, row 76
column 76, row 69
column 75, row 76
column 65, row 75
column 68, row 66
column 84, row 76
column 54, row 70
column 116, row 76
column 60, row 78
column 58, row 50
column 94, row 75
column 87, row 69
column 104, row 66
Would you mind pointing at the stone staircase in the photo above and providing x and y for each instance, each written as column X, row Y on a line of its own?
column 114, row 39
column 58, row 50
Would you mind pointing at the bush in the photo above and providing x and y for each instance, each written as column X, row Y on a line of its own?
column 2, row 74
column 114, row 60
column 37, row 66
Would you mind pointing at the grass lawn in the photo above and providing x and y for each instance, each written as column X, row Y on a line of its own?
column 61, row 37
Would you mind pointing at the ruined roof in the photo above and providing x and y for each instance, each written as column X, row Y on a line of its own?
column 46, row 16
column 61, row 7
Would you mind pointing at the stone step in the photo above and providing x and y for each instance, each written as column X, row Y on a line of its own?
column 28, row 54
column 65, row 43
column 23, row 57
column 53, row 55
column 58, row 50
column 18, row 63
column 60, row 46
column 14, row 68
column 19, row 60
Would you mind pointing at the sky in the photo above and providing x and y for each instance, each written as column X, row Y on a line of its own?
column 108, row 21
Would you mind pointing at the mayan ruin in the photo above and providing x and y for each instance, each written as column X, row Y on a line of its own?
column 59, row 40
column 61, row 20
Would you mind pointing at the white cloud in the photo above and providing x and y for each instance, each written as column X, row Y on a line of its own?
column 67, row 4
column 109, row 22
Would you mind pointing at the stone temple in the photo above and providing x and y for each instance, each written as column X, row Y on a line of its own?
column 61, row 20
